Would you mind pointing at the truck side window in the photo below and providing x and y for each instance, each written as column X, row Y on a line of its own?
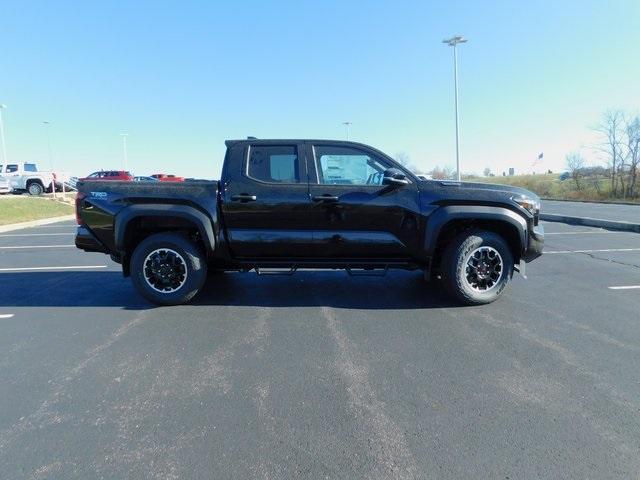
column 30, row 167
column 273, row 164
column 12, row 168
column 347, row 166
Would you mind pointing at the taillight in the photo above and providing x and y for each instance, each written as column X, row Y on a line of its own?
column 79, row 198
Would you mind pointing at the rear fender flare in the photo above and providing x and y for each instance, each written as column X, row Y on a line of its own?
column 203, row 223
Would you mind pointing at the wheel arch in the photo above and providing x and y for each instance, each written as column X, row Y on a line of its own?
column 449, row 221
column 133, row 224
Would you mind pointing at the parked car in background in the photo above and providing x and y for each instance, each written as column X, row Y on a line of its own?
column 24, row 176
column 163, row 177
column 120, row 175
column 145, row 179
column 5, row 186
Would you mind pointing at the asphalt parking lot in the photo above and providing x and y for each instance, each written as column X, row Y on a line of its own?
column 320, row 375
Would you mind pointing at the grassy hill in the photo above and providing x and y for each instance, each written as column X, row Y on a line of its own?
column 550, row 186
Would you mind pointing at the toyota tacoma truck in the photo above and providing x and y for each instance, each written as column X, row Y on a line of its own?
column 282, row 205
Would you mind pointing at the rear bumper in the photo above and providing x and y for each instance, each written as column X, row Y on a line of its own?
column 535, row 243
column 85, row 240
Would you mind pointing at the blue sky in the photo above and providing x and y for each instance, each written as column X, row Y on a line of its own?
column 181, row 77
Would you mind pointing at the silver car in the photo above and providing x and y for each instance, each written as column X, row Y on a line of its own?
column 5, row 186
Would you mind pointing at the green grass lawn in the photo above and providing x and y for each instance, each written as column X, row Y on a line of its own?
column 24, row 209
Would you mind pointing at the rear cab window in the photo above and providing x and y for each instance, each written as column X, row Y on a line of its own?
column 273, row 163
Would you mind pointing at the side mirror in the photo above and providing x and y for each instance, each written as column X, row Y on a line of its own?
column 393, row 176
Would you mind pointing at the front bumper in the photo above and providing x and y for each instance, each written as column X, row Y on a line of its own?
column 535, row 243
column 85, row 240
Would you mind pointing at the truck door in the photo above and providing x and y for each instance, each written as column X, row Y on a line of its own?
column 355, row 214
column 265, row 200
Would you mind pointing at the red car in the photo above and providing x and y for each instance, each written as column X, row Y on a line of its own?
column 110, row 175
column 163, row 177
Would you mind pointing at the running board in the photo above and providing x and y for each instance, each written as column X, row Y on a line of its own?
column 276, row 271
column 367, row 272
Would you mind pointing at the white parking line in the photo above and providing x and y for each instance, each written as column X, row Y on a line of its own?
column 585, row 232
column 6, row 315
column 598, row 250
column 36, row 246
column 72, row 267
column 625, row 287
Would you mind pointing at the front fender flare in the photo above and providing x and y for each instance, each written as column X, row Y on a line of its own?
column 438, row 219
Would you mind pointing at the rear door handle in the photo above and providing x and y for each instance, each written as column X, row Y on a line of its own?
column 244, row 197
column 325, row 198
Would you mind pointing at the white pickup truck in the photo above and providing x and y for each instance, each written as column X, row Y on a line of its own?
column 24, row 176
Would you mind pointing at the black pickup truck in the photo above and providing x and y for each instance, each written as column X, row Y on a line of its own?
column 282, row 205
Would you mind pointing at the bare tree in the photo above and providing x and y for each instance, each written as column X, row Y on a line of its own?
column 445, row 173
column 610, row 128
column 632, row 153
column 403, row 159
column 575, row 163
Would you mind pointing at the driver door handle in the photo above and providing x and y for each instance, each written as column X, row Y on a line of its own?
column 244, row 197
column 326, row 198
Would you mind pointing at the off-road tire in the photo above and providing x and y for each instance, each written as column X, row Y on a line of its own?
column 188, row 252
column 455, row 261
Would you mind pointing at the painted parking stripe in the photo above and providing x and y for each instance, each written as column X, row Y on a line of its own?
column 37, row 234
column 596, row 251
column 585, row 232
column 625, row 287
column 35, row 246
column 72, row 267
column 6, row 315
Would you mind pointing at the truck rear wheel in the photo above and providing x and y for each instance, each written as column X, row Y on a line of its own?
column 168, row 269
column 35, row 189
column 476, row 267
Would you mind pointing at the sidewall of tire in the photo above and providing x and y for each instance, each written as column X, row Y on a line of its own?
column 454, row 267
column 193, row 257
column 40, row 189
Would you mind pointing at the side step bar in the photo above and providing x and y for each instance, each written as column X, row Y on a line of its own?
column 352, row 271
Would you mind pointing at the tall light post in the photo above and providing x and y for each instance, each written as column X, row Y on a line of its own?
column 4, row 146
column 453, row 42
column 47, row 126
column 347, row 125
column 124, row 150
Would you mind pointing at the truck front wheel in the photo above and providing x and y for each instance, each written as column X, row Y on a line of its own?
column 168, row 269
column 476, row 267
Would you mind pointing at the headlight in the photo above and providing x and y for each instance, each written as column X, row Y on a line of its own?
column 532, row 205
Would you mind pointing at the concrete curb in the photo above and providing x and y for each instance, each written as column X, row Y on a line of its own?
column 601, row 202
column 35, row 223
column 592, row 222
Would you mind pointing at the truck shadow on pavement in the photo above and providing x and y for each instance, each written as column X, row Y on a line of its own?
column 397, row 290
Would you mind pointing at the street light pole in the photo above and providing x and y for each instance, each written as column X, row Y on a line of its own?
column 53, row 181
column 124, row 150
column 453, row 42
column 4, row 146
column 347, row 125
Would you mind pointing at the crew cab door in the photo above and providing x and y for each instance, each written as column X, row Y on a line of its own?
column 265, row 200
column 355, row 215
